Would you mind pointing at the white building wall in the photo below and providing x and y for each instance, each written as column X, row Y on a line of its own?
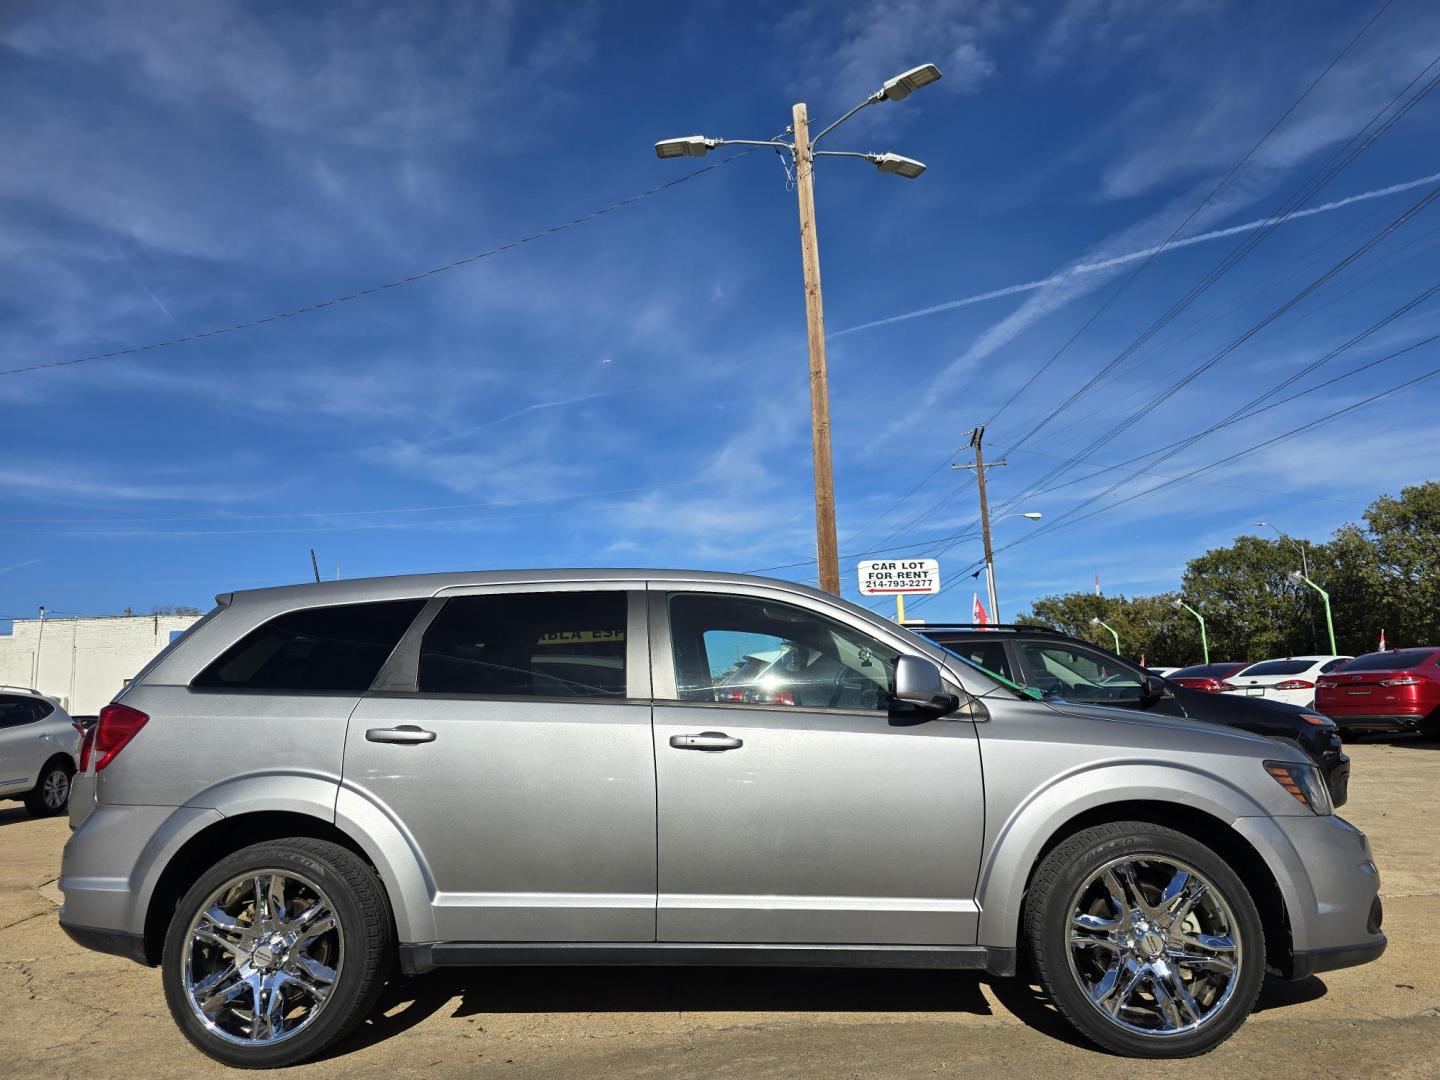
column 84, row 662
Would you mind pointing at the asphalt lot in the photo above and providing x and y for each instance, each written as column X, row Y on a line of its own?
column 67, row 1012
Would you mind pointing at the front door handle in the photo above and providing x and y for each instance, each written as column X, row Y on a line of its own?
column 406, row 734
column 706, row 740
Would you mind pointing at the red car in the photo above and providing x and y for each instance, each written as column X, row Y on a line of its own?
column 1209, row 677
column 1388, row 691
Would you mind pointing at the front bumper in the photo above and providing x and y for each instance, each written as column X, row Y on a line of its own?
column 1336, row 767
column 1330, row 886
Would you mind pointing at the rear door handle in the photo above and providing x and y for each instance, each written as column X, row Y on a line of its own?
column 706, row 740
column 406, row 734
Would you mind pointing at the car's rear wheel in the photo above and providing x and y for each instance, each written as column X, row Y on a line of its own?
column 51, row 794
column 1145, row 939
column 277, row 952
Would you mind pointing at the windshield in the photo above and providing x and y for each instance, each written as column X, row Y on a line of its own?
column 1388, row 661
column 959, row 650
column 1279, row 667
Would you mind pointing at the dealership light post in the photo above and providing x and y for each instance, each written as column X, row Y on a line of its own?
column 1304, row 568
column 1113, row 633
column 1301, row 578
column 803, row 151
column 1179, row 603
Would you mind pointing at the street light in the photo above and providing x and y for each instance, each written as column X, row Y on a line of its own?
column 1301, row 578
column 1178, row 603
column 803, row 152
column 1097, row 621
column 1304, row 567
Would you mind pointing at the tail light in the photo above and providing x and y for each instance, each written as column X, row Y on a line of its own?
column 1404, row 680
column 1326, row 684
column 1226, row 687
column 1294, row 684
column 118, row 724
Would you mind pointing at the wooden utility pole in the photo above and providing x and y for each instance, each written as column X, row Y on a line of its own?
column 826, row 550
column 977, row 440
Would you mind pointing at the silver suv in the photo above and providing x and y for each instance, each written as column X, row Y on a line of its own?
column 39, row 749
column 658, row 767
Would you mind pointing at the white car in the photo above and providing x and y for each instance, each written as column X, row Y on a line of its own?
column 1289, row 679
column 39, row 750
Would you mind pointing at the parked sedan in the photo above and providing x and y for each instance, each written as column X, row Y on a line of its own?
column 1208, row 677
column 1291, row 679
column 1386, row 691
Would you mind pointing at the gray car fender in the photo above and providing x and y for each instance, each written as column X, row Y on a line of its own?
column 397, row 859
column 1016, row 840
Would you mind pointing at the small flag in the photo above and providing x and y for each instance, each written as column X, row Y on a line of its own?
column 978, row 615
column 1382, row 642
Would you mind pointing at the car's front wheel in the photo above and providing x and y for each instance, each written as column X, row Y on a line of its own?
column 1145, row 939
column 277, row 952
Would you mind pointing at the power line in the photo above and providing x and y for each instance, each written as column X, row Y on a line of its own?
column 374, row 289
column 1312, row 186
column 1191, row 216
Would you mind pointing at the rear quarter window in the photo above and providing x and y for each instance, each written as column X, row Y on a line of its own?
column 336, row 648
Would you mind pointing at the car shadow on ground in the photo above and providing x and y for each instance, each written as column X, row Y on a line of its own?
column 13, row 813
column 408, row 1001
column 1401, row 740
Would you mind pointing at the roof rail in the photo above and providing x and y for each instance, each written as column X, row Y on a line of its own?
column 22, row 689
column 1029, row 628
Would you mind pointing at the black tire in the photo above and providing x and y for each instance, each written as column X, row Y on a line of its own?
column 362, row 912
column 1059, row 882
column 51, row 794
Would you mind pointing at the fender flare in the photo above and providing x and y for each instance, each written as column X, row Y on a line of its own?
column 1017, row 842
column 318, row 796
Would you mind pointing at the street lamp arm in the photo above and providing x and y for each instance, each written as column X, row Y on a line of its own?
column 846, row 153
column 873, row 100
column 756, row 142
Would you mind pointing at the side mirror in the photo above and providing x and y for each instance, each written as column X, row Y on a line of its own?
column 918, row 682
column 1154, row 688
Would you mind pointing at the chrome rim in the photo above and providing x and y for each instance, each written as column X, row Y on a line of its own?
column 1154, row 945
column 56, row 789
column 261, row 957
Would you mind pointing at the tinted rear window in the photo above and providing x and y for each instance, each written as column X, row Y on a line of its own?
column 1388, row 661
column 328, row 648
column 554, row 644
column 1205, row 671
column 1280, row 667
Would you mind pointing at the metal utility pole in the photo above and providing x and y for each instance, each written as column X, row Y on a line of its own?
column 977, row 441
column 827, row 552
column 803, row 152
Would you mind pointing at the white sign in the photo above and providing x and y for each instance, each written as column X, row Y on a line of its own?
column 900, row 577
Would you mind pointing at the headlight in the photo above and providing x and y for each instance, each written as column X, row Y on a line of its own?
column 1304, row 783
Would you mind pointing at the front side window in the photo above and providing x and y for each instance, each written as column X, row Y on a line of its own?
column 745, row 650
column 1080, row 676
column 338, row 648
column 552, row 644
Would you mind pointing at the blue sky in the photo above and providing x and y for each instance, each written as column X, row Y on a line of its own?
column 633, row 391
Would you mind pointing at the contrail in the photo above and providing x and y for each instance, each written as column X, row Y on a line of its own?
column 1144, row 253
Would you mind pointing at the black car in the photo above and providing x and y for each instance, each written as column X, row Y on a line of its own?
column 1084, row 674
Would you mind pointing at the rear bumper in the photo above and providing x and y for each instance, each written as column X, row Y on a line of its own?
column 115, row 942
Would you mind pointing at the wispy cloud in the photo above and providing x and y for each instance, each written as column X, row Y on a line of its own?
column 1114, row 261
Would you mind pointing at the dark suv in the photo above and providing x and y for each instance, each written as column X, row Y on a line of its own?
column 1056, row 664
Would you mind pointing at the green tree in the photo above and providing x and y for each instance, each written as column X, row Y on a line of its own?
column 175, row 609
